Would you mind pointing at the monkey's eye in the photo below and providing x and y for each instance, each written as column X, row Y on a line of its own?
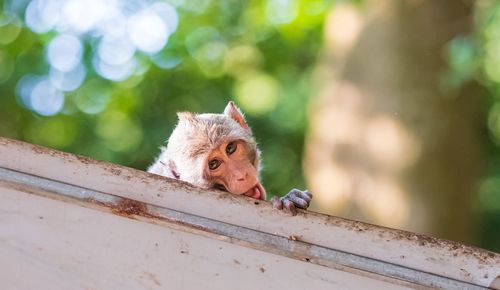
column 214, row 164
column 230, row 148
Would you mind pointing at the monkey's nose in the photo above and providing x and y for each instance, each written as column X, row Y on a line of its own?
column 242, row 176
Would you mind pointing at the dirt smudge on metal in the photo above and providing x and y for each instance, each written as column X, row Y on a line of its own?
column 127, row 207
column 133, row 209
column 152, row 277
column 424, row 241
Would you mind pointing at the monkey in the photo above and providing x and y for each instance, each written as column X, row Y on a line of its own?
column 218, row 151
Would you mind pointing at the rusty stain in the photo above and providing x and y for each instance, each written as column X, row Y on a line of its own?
column 293, row 238
column 132, row 208
column 127, row 207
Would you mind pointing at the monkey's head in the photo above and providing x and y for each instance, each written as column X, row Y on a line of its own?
column 214, row 151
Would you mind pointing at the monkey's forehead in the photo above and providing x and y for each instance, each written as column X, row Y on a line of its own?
column 198, row 136
column 200, row 147
column 212, row 126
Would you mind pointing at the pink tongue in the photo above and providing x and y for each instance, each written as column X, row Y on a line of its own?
column 254, row 193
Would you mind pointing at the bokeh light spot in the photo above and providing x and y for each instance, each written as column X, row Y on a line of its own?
column 195, row 6
column 210, row 58
column 116, row 50
column 64, row 52
column 168, row 14
column 282, row 11
column 84, row 15
column 24, row 88
column 199, row 37
column 92, row 97
column 206, row 45
column 10, row 28
column 257, row 94
column 42, row 15
column 342, row 27
column 332, row 186
column 384, row 201
column 45, row 99
column 68, row 81
column 147, row 31
column 114, row 72
column 242, row 60
column 390, row 144
column 165, row 61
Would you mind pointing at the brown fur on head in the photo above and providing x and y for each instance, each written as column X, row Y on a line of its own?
column 199, row 139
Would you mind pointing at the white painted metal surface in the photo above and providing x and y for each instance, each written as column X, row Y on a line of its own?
column 66, row 222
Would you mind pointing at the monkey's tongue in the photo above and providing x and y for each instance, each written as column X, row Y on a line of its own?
column 254, row 192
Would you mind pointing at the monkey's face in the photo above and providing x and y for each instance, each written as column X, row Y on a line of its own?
column 230, row 167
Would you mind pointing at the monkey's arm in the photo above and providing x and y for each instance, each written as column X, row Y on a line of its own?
column 161, row 167
column 293, row 200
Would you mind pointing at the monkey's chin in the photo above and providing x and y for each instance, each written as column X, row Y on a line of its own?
column 257, row 192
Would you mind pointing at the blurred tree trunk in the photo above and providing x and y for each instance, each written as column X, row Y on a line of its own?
column 390, row 141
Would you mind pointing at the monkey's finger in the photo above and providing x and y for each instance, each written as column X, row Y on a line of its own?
column 276, row 202
column 298, row 202
column 305, row 195
column 290, row 206
column 308, row 193
column 294, row 192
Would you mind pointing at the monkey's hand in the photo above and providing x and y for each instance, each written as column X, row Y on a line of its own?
column 293, row 200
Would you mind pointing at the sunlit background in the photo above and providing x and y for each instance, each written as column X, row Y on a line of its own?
column 389, row 111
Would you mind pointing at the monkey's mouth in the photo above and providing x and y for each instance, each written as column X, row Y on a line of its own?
column 256, row 192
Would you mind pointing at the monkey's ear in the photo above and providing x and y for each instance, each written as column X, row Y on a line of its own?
column 232, row 111
column 186, row 116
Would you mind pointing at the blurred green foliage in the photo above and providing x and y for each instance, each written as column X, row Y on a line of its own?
column 260, row 53
column 477, row 57
column 486, row 52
